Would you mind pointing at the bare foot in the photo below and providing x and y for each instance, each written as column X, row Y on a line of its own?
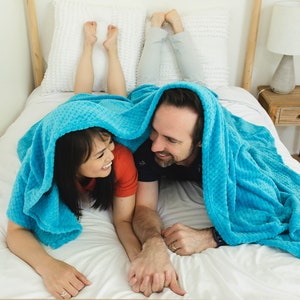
column 157, row 19
column 173, row 18
column 90, row 29
column 110, row 44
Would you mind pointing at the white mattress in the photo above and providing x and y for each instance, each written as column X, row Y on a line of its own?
column 240, row 272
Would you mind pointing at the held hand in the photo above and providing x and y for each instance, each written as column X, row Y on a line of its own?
column 62, row 280
column 184, row 240
column 152, row 270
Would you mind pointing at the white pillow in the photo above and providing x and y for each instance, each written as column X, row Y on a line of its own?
column 209, row 30
column 67, row 42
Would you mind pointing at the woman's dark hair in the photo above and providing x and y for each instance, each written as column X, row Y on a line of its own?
column 182, row 97
column 71, row 151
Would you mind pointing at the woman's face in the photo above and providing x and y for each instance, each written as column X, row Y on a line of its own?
column 99, row 163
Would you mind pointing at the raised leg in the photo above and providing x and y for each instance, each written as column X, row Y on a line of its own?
column 84, row 79
column 185, row 52
column 115, row 78
column 149, row 65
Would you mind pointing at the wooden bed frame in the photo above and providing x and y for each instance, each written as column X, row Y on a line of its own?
column 37, row 61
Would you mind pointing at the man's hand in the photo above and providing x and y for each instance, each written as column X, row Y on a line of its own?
column 184, row 240
column 152, row 270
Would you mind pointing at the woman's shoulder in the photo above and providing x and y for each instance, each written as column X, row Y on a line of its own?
column 121, row 151
column 123, row 162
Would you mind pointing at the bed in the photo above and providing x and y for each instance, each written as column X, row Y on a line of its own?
column 247, row 271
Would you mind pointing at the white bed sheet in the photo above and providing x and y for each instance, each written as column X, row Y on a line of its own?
column 240, row 272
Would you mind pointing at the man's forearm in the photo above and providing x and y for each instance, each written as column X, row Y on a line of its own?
column 146, row 223
column 153, row 262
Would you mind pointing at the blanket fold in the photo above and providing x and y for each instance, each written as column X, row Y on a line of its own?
column 250, row 195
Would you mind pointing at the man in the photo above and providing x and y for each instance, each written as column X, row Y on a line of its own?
column 250, row 195
column 173, row 151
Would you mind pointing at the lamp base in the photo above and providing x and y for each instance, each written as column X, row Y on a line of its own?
column 283, row 81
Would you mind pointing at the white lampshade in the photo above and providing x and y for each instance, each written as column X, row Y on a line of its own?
column 284, row 38
column 284, row 34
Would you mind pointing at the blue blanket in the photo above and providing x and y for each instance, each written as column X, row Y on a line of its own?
column 250, row 195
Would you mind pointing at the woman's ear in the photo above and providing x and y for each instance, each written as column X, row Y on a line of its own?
column 199, row 144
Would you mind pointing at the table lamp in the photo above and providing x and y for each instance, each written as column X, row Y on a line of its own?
column 284, row 38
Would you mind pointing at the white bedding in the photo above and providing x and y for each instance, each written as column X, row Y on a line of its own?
column 241, row 272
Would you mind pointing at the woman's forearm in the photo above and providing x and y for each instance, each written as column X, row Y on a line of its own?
column 22, row 243
column 58, row 276
column 128, row 239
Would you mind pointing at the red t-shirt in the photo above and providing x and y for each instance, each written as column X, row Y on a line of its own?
column 125, row 173
column 126, row 176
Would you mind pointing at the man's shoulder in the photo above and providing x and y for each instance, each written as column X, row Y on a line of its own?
column 144, row 148
column 145, row 163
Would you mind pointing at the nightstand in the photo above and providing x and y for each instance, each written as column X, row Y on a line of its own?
column 283, row 109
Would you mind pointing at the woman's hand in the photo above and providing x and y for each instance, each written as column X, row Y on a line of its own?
column 62, row 280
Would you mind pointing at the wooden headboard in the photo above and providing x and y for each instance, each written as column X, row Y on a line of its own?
column 36, row 54
column 37, row 60
column 251, row 45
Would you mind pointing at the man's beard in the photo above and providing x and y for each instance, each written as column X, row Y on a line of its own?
column 164, row 163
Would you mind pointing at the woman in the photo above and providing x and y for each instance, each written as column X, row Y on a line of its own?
column 89, row 169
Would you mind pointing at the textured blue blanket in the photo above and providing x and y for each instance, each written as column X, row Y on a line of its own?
column 250, row 195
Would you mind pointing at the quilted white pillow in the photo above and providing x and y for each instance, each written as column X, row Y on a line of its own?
column 209, row 30
column 67, row 42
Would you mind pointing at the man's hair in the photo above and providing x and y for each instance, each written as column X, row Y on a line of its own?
column 185, row 98
column 71, row 151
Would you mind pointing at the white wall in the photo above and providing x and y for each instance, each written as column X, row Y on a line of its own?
column 15, row 70
column 16, row 77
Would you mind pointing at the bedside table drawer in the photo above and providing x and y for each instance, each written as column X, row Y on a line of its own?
column 288, row 116
column 283, row 109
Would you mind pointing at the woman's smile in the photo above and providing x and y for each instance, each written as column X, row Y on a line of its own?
column 107, row 166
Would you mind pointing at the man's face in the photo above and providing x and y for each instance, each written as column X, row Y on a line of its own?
column 171, row 135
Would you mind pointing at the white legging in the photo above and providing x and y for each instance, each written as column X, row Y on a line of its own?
column 185, row 54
